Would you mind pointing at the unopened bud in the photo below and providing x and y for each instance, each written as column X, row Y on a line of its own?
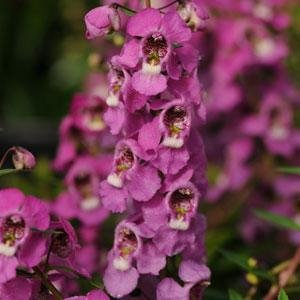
column 23, row 159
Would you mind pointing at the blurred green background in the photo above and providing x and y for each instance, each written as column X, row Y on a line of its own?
column 43, row 60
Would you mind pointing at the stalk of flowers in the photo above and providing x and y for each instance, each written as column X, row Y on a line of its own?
column 251, row 103
column 83, row 156
column 158, row 169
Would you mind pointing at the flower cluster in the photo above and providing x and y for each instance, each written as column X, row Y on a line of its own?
column 83, row 156
column 251, row 104
column 158, row 169
column 31, row 244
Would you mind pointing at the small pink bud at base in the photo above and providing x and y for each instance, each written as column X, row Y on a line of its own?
column 23, row 159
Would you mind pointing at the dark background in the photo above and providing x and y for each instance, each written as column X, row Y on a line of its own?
column 43, row 60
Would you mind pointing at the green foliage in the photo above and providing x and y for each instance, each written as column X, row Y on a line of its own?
column 282, row 295
column 242, row 261
column 277, row 220
column 290, row 170
column 7, row 171
column 233, row 295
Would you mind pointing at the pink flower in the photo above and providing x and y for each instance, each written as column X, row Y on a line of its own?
column 100, row 21
column 82, row 199
column 129, row 250
column 19, row 245
column 19, row 288
column 159, row 34
column 194, row 14
column 23, row 159
column 87, row 112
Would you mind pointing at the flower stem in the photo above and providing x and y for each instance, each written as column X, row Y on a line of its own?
column 148, row 3
column 5, row 156
column 48, row 284
column 170, row 4
column 127, row 10
column 284, row 276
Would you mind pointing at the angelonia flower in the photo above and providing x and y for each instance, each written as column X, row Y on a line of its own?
column 157, row 175
column 20, row 245
column 36, row 245
column 83, row 157
column 83, row 131
column 251, row 104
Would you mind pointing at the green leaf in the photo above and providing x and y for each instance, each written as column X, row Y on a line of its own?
column 282, row 295
column 277, row 220
column 7, row 171
column 290, row 170
column 233, row 295
column 242, row 261
column 238, row 259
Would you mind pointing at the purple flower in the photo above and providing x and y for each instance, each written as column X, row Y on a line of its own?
column 87, row 112
column 169, row 289
column 121, row 276
column 175, row 123
column 117, row 83
column 92, row 295
column 193, row 14
column 19, row 245
column 100, row 21
column 182, row 204
column 159, row 34
column 129, row 177
column 82, row 199
column 19, row 288
column 63, row 246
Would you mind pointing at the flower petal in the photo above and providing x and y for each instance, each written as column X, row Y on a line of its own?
column 144, row 22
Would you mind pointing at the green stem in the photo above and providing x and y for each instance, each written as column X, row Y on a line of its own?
column 171, row 3
column 148, row 3
column 48, row 284
column 5, row 156
column 124, row 8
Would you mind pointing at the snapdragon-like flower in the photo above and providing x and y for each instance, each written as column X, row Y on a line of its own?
column 83, row 131
column 130, row 256
column 88, row 112
column 182, row 204
column 159, row 35
column 158, row 169
column 82, row 199
column 19, row 216
column 175, row 121
column 63, row 246
column 130, row 177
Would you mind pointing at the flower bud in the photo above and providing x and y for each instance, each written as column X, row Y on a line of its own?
column 100, row 21
column 23, row 159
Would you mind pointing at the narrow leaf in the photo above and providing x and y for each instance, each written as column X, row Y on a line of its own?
column 290, row 170
column 242, row 261
column 7, row 171
column 238, row 259
column 277, row 220
column 233, row 295
column 282, row 295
